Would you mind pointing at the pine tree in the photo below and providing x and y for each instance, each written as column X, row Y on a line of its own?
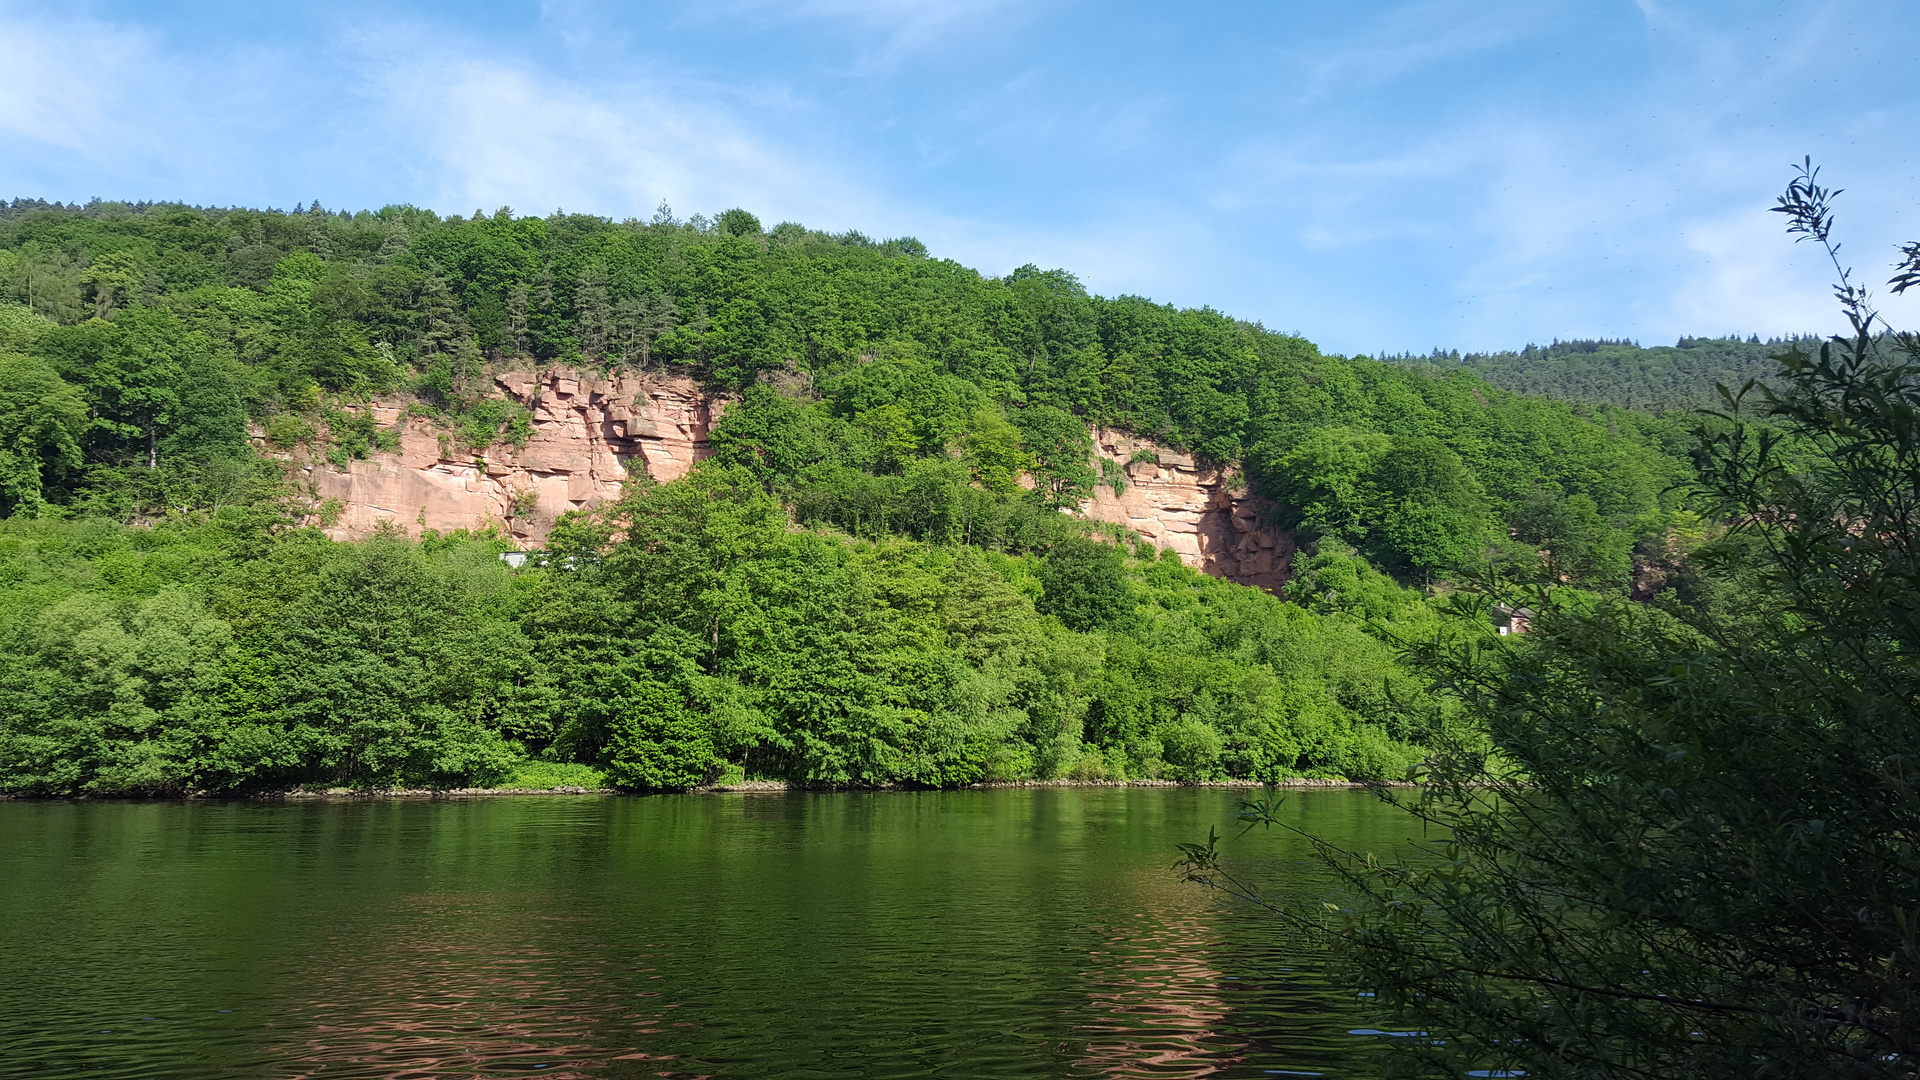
column 593, row 312
column 398, row 241
column 642, row 321
column 517, row 316
column 318, row 241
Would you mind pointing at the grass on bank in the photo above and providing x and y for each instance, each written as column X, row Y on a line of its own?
column 544, row 775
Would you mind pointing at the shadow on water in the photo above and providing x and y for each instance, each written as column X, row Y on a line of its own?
column 1032, row 932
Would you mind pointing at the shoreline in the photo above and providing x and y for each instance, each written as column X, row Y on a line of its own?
column 780, row 787
column 750, row 787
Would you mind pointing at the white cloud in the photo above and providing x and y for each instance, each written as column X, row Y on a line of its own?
column 100, row 108
column 1477, row 208
column 67, row 85
column 1413, row 37
column 904, row 23
column 1748, row 276
column 1745, row 275
column 483, row 130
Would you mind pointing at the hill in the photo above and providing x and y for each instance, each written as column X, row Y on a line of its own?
column 1621, row 373
column 859, row 362
column 881, row 575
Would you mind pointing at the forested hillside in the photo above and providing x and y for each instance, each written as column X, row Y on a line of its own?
column 1621, row 373
column 172, row 622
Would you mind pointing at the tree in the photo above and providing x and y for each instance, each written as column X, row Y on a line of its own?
column 1577, row 540
column 1687, row 846
column 21, row 328
column 41, row 421
column 1084, row 584
column 517, row 317
column 397, row 241
column 992, row 450
column 639, row 322
column 114, row 277
column 1323, row 481
column 450, row 356
column 738, row 222
column 594, row 310
column 1061, row 450
column 135, row 387
column 657, row 743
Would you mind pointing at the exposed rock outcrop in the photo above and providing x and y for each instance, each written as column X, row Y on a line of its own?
column 1203, row 512
column 590, row 433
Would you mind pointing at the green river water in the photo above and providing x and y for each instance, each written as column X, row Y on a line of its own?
column 1026, row 932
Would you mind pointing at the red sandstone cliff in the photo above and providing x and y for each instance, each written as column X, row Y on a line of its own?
column 1203, row 512
column 590, row 432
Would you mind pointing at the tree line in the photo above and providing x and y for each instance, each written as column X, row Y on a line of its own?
column 176, row 322
column 1622, row 373
column 920, row 424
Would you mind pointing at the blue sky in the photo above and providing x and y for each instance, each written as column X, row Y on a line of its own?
column 1379, row 177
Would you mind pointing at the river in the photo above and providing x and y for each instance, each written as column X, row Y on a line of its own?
column 1002, row 933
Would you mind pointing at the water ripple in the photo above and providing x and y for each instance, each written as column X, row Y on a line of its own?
column 975, row 934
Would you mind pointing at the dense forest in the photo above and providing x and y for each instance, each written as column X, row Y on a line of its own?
column 1657, row 378
column 871, row 582
column 1679, row 841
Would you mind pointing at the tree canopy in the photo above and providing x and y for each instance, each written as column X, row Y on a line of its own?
column 1684, row 845
column 880, row 578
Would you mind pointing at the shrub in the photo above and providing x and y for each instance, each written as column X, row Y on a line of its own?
column 1083, row 584
column 657, row 743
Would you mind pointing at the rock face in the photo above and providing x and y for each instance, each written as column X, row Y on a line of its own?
column 589, row 433
column 1199, row 511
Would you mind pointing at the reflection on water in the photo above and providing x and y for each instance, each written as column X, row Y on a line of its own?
column 981, row 934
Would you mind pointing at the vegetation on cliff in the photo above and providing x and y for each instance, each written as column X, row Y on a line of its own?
column 170, row 625
column 874, row 374
column 685, row 636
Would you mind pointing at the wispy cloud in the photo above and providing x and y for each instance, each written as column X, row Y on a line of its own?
column 114, row 106
column 485, row 131
column 1410, row 38
column 1451, row 172
column 70, row 84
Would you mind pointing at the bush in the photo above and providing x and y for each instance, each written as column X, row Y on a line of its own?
column 287, row 430
column 656, row 742
column 1190, row 748
column 1083, row 584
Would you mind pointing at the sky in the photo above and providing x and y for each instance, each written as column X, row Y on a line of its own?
column 1380, row 177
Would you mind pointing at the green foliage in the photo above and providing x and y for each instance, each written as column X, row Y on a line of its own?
column 21, row 328
column 685, row 633
column 853, row 592
column 1659, row 378
column 656, row 742
column 1408, row 501
column 288, row 430
column 738, row 223
column 1062, row 454
column 1083, row 584
column 1682, row 843
column 538, row 775
column 234, row 656
column 1578, row 541
column 1334, row 577
column 1692, row 833
column 42, row 420
column 862, row 364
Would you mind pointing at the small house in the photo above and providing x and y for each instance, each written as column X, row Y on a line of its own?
column 1512, row 620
